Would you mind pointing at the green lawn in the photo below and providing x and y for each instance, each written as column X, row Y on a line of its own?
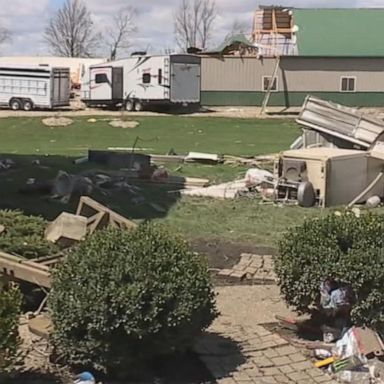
column 159, row 134
column 245, row 221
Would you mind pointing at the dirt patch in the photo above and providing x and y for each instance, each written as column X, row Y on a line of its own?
column 57, row 121
column 117, row 123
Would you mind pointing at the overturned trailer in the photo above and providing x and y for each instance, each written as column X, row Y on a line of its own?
column 328, row 176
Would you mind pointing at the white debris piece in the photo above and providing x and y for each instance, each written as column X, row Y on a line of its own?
column 202, row 157
column 228, row 190
column 257, row 176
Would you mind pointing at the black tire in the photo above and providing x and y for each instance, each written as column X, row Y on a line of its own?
column 129, row 105
column 139, row 106
column 27, row 105
column 15, row 104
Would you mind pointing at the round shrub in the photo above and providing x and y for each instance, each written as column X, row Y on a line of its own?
column 10, row 309
column 344, row 247
column 125, row 296
column 24, row 235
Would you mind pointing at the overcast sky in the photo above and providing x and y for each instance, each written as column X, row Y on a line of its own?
column 26, row 19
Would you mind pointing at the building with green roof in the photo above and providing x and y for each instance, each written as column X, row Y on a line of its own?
column 335, row 54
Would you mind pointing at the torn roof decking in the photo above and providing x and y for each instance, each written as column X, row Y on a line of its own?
column 339, row 121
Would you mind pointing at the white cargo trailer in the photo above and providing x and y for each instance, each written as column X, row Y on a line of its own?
column 29, row 87
column 143, row 80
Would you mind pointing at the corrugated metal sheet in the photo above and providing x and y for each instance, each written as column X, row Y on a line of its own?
column 336, row 120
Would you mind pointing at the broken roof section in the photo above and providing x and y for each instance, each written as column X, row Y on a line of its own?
column 279, row 31
column 347, row 124
column 274, row 31
column 234, row 45
column 339, row 32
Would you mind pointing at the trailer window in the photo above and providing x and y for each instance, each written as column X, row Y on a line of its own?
column 101, row 78
column 160, row 76
column 348, row 84
column 146, row 78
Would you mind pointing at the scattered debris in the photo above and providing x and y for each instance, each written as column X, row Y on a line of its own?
column 2, row 229
column 228, row 190
column 7, row 164
column 118, row 123
column 65, row 185
column 81, row 160
column 67, row 229
column 92, row 120
column 373, row 202
column 57, row 121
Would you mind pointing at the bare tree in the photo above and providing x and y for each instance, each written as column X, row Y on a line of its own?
column 194, row 23
column 120, row 31
column 71, row 31
column 5, row 35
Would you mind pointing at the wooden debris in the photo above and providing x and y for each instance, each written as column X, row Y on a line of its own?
column 17, row 267
column 66, row 229
column 98, row 216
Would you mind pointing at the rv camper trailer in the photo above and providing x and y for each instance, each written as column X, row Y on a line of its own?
column 29, row 87
column 140, row 81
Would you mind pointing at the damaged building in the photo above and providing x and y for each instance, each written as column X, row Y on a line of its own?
column 334, row 54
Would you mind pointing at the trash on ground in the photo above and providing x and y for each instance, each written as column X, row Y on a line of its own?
column 7, row 164
column 228, row 190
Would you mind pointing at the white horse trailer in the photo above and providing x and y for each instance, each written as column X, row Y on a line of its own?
column 29, row 87
column 143, row 80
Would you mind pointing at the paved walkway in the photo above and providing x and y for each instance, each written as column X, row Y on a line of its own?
column 237, row 349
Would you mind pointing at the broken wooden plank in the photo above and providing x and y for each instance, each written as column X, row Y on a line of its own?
column 19, row 268
column 90, row 208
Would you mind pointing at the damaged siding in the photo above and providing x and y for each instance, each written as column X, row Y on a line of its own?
column 238, row 81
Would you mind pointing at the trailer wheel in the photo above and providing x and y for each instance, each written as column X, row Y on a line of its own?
column 138, row 106
column 129, row 105
column 15, row 104
column 27, row 105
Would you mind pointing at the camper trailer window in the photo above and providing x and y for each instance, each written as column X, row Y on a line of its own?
column 101, row 78
column 160, row 76
column 146, row 78
column 266, row 80
column 348, row 84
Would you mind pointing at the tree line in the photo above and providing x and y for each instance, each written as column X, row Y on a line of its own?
column 72, row 31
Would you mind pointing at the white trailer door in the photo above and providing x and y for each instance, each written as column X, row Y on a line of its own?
column 101, row 83
column 185, row 83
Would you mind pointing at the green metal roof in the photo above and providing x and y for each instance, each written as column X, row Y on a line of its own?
column 340, row 32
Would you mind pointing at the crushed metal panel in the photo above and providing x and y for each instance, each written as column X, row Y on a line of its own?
column 339, row 121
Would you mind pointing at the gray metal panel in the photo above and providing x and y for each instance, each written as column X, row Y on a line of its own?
column 61, row 87
column 339, row 121
column 185, row 83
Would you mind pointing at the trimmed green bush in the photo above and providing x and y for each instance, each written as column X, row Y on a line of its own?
column 10, row 309
column 344, row 247
column 24, row 235
column 126, row 296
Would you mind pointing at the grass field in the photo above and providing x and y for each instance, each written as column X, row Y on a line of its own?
column 243, row 221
